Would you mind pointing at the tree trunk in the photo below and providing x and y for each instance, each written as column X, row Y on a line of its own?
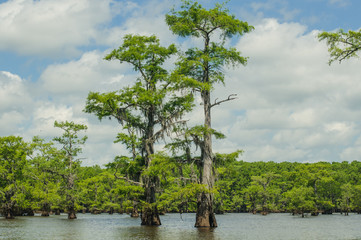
column 9, row 214
column 111, row 211
column 134, row 213
column 57, row 211
column 150, row 215
column 71, row 214
column 205, row 214
column 45, row 213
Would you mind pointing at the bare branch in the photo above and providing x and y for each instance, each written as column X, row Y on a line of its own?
column 230, row 98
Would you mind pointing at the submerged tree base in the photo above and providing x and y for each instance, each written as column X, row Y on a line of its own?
column 71, row 215
column 150, row 217
column 9, row 215
column 45, row 213
column 134, row 213
column 205, row 216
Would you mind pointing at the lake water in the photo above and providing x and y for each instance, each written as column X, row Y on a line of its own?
column 176, row 226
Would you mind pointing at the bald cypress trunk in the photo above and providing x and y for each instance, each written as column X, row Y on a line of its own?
column 150, row 215
column 205, row 213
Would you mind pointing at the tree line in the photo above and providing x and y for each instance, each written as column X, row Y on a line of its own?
column 43, row 177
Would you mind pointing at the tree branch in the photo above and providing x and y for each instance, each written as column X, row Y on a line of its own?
column 230, row 97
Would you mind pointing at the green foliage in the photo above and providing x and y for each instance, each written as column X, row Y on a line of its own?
column 300, row 200
column 70, row 141
column 13, row 187
column 43, row 174
column 342, row 45
column 205, row 65
column 194, row 20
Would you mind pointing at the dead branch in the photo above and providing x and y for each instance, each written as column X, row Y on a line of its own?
column 230, row 97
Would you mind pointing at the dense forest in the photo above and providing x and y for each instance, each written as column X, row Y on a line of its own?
column 35, row 178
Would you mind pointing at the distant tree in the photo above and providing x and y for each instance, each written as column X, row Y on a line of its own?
column 342, row 45
column 71, row 147
column 346, row 197
column 13, row 154
column 43, row 176
column 300, row 200
column 205, row 67
column 356, row 201
column 148, row 110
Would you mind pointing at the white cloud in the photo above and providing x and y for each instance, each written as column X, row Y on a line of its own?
column 89, row 73
column 15, row 103
column 51, row 28
column 12, row 91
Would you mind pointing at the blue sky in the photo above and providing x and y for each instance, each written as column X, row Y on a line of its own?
column 292, row 106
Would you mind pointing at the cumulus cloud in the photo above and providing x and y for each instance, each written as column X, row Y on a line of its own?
column 51, row 28
column 15, row 103
column 89, row 73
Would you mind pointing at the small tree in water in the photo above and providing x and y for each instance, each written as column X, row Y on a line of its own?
column 148, row 110
column 204, row 65
column 70, row 143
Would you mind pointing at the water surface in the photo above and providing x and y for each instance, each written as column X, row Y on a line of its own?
column 176, row 226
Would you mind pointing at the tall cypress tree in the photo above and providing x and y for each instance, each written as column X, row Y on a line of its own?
column 205, row 66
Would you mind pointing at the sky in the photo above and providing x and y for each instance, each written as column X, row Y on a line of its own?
column 291, row 105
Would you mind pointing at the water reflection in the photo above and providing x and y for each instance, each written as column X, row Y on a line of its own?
column 206, row 233
column 138, row 232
